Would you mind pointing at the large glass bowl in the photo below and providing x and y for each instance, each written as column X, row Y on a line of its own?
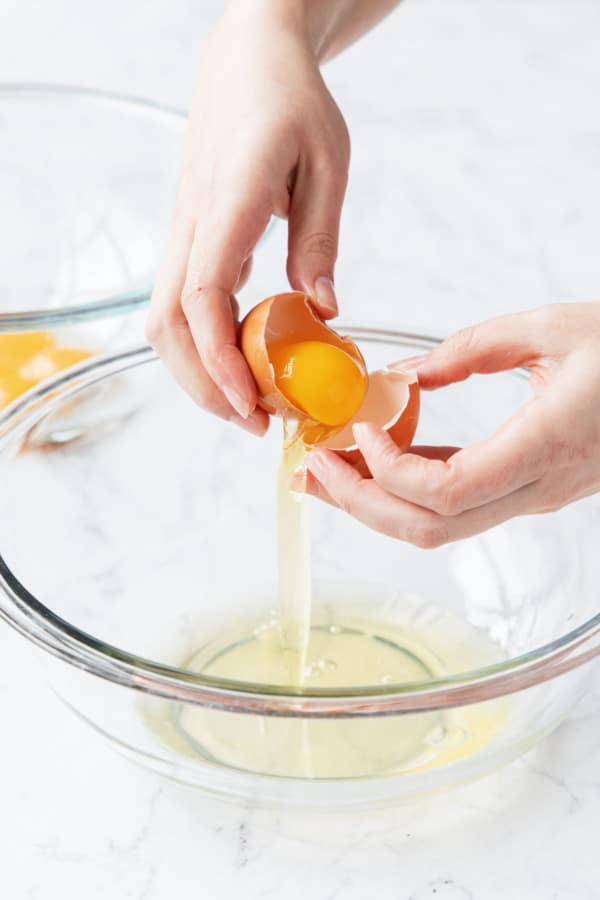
column 123, row 554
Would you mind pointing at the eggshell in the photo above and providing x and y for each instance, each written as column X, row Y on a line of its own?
column 392, row 401
column 287, row 317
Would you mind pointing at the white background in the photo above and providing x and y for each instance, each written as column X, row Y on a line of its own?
column 475, row 190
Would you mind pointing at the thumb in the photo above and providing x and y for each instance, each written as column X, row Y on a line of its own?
column 493, row 346
column 313, row 233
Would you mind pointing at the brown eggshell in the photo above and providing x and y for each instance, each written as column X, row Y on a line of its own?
column 287, row 317
column 392, row 402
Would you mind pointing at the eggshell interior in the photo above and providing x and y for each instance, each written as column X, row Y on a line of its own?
column 288, row 318
column 386, row 399
column 291, row 318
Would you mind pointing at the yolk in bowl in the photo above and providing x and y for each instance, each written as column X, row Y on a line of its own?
column 319, row 379
column 29, row 357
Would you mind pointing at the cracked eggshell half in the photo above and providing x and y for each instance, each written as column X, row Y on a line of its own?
column 284, row 319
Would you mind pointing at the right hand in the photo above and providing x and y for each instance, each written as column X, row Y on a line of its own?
column 544, row 456
column 264, row 138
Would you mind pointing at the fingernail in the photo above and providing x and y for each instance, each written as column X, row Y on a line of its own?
column 324, row 292
column 412, row 362
column 252, row 424
column 238, row 402
column 297, row 481
column 360, row 430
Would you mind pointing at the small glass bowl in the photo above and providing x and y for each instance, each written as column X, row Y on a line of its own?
column 88, row 182
column 122, row 556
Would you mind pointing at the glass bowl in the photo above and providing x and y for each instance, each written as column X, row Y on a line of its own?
column 87, row 181
column 136, row 561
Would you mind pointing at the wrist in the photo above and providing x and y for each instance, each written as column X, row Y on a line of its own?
column 302, row 20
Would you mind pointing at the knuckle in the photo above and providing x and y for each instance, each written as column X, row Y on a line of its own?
column 235, row 307
column 382, row 464
column 556, row 498
column 159, row 325
column 344, row 146
column 329, row 148
column 333, row 169
column 463, row 341
column 451, row 500
column 550, row 506
column 319, row 243
column 552, row 455
column 549, row 324
column 347, row 502
column 349, row 499
column 325, row 165
column 563, row 453
column 551, row 314
column 446, row 492
column 334, row 147
column 190, row 295
column 427, row 535
column 154, row 331
column 543, row 315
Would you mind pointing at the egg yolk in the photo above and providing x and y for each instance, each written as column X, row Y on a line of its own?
column 320, row 379
column 29, row 357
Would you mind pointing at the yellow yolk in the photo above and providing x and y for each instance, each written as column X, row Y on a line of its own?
column 321, row 380
column 28, row 358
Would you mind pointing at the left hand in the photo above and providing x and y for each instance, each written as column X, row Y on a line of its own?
column 540, row 459
column 265, row 138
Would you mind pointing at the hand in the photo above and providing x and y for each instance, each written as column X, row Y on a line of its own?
column 265, row 138
column 540, row 459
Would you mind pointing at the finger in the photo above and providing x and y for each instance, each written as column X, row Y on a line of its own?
column 304, row 482
column 367, row 502
column 164, row 316
column 235, row 308
column 493, row 346
column 531, row 499
column 222, row 243
column 313, row 229
column 517, row 454
column 168, row 332
column 244, row 274
column 408, row 363
column 187, row 369
column 209, row 316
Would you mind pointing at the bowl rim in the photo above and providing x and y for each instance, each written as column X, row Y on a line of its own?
column 112, row 304
column 28, row 615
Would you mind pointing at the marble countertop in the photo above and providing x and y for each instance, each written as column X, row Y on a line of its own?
column 475, row 190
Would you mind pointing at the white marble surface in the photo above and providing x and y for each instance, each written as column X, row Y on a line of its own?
column 475, row 190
